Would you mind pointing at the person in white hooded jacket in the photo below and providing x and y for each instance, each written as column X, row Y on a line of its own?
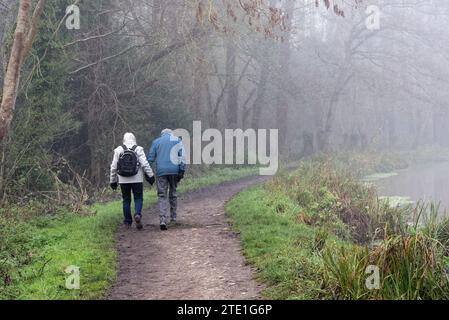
column 131, row 184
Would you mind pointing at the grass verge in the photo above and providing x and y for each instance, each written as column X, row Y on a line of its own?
column 280, row 248
column 35, row 254
column 315, row 233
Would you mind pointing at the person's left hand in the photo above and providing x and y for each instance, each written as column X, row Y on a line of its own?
column 150, row 180
column 114, row 185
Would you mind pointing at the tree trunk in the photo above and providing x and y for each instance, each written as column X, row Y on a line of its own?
column 261, row 89
column 231, row 86
column 282, row 114
column 343, row 79
column 12, row 76
column 199, row 79
column 156, row 16
column 23, row 39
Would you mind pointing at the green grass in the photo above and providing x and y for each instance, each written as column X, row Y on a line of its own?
column 312, row 234
column 282, row 250
column 35, row 254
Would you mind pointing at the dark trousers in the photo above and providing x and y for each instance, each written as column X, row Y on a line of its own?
column 137, row 191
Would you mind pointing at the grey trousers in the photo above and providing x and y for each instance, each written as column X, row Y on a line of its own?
column 167, row 184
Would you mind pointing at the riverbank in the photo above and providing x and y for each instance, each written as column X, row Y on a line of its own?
column 312, row 234
column 376, row 164
column 34, row 254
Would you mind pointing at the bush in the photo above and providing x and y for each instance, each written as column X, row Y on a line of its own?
column 15, row 253
column 331, row 195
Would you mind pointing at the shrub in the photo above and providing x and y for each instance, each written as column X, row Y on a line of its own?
column 15, row 252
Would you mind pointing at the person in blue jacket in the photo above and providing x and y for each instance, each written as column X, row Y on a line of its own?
column 167, row 156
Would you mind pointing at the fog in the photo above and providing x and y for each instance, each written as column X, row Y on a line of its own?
column 330, row 75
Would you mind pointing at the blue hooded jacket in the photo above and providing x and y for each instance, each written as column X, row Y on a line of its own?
column 168, row 153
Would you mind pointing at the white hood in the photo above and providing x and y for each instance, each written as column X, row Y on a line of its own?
column 129, row 140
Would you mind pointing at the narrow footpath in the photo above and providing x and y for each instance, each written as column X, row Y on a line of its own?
column 199, row 258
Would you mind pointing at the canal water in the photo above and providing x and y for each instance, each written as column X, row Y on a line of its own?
column 426, row 182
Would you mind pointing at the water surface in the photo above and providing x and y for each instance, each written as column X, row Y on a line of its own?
column 427, row 182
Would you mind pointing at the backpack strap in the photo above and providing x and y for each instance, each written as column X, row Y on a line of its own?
column 124, row 147
column 134, row 148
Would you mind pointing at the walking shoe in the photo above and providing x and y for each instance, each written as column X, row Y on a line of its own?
column 138, row 219
column 163, row 227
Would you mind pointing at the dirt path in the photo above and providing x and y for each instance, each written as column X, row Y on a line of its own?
column 199, row 258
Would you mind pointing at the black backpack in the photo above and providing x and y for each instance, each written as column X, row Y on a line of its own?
column 128, row 164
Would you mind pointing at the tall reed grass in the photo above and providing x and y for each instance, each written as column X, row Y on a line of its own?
column 408, row 245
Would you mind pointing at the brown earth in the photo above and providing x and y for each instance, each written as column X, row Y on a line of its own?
column 198, row 258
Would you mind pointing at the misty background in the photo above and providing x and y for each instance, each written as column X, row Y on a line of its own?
column 312, row 69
